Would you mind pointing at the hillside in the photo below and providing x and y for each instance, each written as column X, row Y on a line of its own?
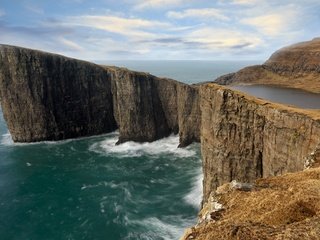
column 295, row 66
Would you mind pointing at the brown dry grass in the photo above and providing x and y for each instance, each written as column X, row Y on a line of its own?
column 309, row 81
column 285, row 207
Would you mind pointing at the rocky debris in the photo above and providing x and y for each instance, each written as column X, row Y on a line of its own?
column 296, row 66
column 213, row 209
column 245, row 138
column 313, row 160
column 283, row 207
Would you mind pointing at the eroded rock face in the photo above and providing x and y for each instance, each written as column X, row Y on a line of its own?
column 148, row 108
column 189, row 114
column 296, row 66
column 140, row 113
column 243, row 138
column 51, row 97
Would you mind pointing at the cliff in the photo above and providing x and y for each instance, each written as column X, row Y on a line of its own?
column 148, row 108
column 51, row 97
column 283, row 207
column 244, row 138
column 296, row 66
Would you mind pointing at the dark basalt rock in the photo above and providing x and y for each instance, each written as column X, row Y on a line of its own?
column 51, row 97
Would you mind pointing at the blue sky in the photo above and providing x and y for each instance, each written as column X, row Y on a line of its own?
column 159, row 29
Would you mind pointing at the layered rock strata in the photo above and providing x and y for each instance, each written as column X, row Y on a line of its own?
column 296, row 66
column 244, row 138
column 50, row 97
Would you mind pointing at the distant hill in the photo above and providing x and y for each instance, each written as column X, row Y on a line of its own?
column 295, row 66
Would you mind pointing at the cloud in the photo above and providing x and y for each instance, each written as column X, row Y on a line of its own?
column 144, row 4
column 218, row 39
column 34, row 9
column 131, row 27
column 2, row 12
column 72, row 46
column 245, row 2
column 275, row 23
column 202, row 13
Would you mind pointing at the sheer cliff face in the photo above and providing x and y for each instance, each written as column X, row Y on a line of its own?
column 148, row 108
column 296, row 66
column 140, row 112
column 50, row 97
column 243, row 138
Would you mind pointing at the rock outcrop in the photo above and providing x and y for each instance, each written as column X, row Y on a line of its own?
column 51, row 97
column 244, row 138
column 296, row 66
column 283, row 207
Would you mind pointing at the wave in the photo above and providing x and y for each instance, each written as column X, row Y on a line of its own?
column 171, row 227
column 168, row 145
column 194, row 197
column 6, row 139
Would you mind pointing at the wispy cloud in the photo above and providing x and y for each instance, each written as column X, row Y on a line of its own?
column 202, row 13
column 245, row 2
column 132, row 27
column 274, row 23
column 152, row 29
column 2, row 12
column 72, row 46
column 144, row 4
column 34, row 9
column 218, row 39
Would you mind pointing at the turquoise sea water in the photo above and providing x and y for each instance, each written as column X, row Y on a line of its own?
column 91, row 189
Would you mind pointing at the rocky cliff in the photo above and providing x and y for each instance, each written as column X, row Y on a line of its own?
column 283, row 207
column 244, row 138
column 148, row 108
column 296, row 66
column 51, row 97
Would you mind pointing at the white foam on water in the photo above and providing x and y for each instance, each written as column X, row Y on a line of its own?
column 6, row 139
column 194, row 197
column 168, row 145
column 169, row 229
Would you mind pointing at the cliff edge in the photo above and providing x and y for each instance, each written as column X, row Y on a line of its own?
column 47, row 96
column 295, row 66
column 244, row 138
column 284, row 207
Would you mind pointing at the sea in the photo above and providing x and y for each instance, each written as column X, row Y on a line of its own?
column 90, row 188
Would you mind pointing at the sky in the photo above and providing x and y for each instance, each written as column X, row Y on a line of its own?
column 159, row 29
